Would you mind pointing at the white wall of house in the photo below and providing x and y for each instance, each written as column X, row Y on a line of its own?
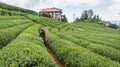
column 55, row 15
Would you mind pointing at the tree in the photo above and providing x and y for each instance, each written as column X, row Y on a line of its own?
column 64, row 18
column 77, row 20
column 90, row 13
column 115, row 26
column 84, row 15
column 119, row 26
column 98, row 18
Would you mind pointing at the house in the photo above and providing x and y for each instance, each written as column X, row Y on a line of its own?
column 106, row 23
column 54, row 12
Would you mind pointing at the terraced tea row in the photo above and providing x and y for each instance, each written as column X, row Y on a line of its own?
column 11, row 17
column 76, row 45
column 75, row 56
column 111, row 40
column 97, row 48
column 45, row 21
column 27, row 50
column 8, row 34
column 94, row 27
column 102, row 42
column 9, row 23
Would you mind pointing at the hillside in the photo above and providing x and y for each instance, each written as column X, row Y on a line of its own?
column 6, row 9
column 82, row 44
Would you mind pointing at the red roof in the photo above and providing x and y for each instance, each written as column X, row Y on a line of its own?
column 51, row 10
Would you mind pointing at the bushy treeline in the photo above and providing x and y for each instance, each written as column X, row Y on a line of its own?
column 14, row 8
column 88, row 15
column 64, row 18
column 115, row 26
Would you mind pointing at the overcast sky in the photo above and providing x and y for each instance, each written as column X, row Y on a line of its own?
column 107, row 9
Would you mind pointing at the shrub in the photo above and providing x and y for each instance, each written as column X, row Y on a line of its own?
column 75, row 56
column 26, row 51
column 8, row 34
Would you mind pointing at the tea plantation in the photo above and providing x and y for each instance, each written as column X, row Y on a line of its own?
column 81, row 44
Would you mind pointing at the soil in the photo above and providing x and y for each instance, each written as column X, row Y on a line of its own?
column 60, row 64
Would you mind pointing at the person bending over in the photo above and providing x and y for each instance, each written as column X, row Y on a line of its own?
column 42, row 34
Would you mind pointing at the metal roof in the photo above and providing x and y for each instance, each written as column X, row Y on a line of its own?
column 51, row 10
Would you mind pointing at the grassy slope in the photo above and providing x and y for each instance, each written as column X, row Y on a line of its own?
column 9, row 8
column 81, row 44
column 94, row 39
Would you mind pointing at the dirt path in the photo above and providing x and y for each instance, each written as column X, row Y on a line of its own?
column 55, row 57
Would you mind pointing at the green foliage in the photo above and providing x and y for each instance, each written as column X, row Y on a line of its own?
column 64, row 18
column 10, row 23
column 75, row 56
column 115, row 26
column 84, row 15
column 96, row 18
column 84, row 44
column 11, row 13
column 8, row 34
column 45, row 15
column 77, row 19
column 88, row 15
column 45, row 21
column 97, row 48
column 17, row 9
column 12, row 17
column 106, row 43
column 26, row 51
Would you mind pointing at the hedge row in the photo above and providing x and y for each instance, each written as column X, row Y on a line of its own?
column 17, row 9
column 10, row 23
column 97, row 48
column 102, row 42
column 95, row 27
column 11, row 17
column 8, row 34
column 99, row 37
column 45, row 21
column 27, row 50
column 11, row 13
column 75, row 56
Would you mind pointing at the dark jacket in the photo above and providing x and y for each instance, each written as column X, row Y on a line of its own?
column 42, row 34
